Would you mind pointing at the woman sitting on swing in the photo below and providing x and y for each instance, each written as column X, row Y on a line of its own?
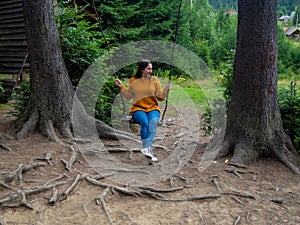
column 145, row 90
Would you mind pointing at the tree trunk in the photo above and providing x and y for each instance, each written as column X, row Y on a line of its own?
column 51, row 91
column 254, row 126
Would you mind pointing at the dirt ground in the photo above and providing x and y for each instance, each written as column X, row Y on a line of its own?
column 265, row 192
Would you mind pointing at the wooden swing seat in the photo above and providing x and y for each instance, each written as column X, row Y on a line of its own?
column 128, row 119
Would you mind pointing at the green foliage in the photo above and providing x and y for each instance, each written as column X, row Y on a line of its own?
column 211, row 35
column 20, row 99
column 297, row 15
column 1, row 88
column 121, row 20
column 3, row 98
column 225, row 77
column 105, row 101
column 289, row 101
column 224, row 41
column 81, row 40
column 283, row 5
column 288, row 55
column 213, row 116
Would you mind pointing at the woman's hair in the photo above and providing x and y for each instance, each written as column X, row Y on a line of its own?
column 141, row 66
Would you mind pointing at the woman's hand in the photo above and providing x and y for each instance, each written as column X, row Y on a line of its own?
column 118, row 83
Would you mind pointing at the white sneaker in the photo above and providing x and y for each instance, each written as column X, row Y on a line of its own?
column 147, row 151
column 153, row 158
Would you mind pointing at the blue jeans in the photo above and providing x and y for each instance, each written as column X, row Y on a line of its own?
column 148, row 122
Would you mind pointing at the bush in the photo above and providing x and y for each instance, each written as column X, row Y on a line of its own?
column 2, row 94
column 1, row 88
column 289, row 101
column 20, row 99
column 81, row 40
column 105, row 101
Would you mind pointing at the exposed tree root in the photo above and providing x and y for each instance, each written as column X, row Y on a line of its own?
column 287, row 154
column 236, row 193
column 108, row 132
column 18, row 173
column 47, row 128
column 47, row 158
column 245, row 152
column 54, row 197
column 66, row 193
column 237, row 220
column 20, row 195
column 26, row 127
column 5, row 147
column 102, row 201
column 234, row 172
column 73, row 158
column 216, row 183
column 237, row 200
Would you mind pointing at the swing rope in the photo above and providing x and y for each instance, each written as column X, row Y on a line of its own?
column 172, row 53
column 172, row 56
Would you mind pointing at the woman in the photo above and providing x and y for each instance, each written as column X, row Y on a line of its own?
column 146, row 91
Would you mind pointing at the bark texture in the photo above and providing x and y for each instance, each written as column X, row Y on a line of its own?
column 51, row 91
column 254, row 126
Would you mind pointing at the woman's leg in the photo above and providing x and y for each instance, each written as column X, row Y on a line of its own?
column 141, row 118
column 153, row 118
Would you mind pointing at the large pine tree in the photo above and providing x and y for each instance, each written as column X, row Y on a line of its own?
column 254, row 126
column 51, row 92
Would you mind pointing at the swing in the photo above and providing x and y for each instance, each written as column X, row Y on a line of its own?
column 128, row 118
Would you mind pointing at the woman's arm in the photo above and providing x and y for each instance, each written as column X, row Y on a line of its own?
column 125, row 91
column 161, row 93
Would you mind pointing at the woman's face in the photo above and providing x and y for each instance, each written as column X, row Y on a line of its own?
column 147, row 71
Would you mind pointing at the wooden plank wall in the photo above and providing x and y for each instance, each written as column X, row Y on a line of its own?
column 13, row 44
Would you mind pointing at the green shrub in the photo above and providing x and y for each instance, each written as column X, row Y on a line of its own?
column 2, row 94
column 289, row 101
column 20, row 99
column 105, row 101
column 1, row 88
column 103, row 105
column 81, row 40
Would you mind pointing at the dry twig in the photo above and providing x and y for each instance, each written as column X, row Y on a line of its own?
column 47, row 158
column 237, row 200
column 54, row 196
column 237, row 220
column 5, row 147
column 216, row 183
column 21, row 195
column 18, row 173
column 239, row 194
column 66, row 193
column 235, row 172
column 102, row 201
column 162, row 190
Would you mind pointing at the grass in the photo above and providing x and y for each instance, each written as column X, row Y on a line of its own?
column 187, row 93
column 5, row 106
column 5, row 76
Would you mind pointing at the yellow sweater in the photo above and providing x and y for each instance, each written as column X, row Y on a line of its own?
column 145, row 92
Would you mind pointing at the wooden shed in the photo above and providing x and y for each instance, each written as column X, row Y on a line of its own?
column 13, row 44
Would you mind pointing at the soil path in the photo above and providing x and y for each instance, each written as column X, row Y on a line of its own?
column 266, row 192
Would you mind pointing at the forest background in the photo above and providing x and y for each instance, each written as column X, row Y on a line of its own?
column 207, row 28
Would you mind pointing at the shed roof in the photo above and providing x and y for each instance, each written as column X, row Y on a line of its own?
column 13, row 44
column 291, row 31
